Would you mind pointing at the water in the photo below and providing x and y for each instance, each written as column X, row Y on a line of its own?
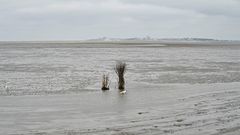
column 56, row 89
column 37, row 69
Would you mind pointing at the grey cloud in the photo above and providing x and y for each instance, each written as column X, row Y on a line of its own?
column 213, row 7
column 80, row 19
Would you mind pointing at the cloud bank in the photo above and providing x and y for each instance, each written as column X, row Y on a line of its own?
column 83, row 19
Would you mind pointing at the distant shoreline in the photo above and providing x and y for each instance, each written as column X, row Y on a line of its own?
column 122, row 43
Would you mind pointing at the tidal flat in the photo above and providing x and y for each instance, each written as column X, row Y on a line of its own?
column 55, row 89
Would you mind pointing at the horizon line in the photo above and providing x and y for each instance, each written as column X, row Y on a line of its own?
column 147, row 38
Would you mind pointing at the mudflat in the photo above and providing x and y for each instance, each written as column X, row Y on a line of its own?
column 55, row 88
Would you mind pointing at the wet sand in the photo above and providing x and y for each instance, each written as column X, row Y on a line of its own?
column 176, row 109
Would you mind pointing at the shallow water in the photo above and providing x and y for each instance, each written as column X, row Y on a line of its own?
column 55, row 89
column 30, row 69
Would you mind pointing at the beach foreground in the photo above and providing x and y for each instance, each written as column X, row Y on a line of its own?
column 170, row 90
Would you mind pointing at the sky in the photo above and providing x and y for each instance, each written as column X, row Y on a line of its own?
column 87, row 19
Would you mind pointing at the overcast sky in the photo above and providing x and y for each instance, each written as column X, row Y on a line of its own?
column 84, row 19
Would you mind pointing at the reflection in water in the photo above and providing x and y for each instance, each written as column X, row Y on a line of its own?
column 121, row 102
